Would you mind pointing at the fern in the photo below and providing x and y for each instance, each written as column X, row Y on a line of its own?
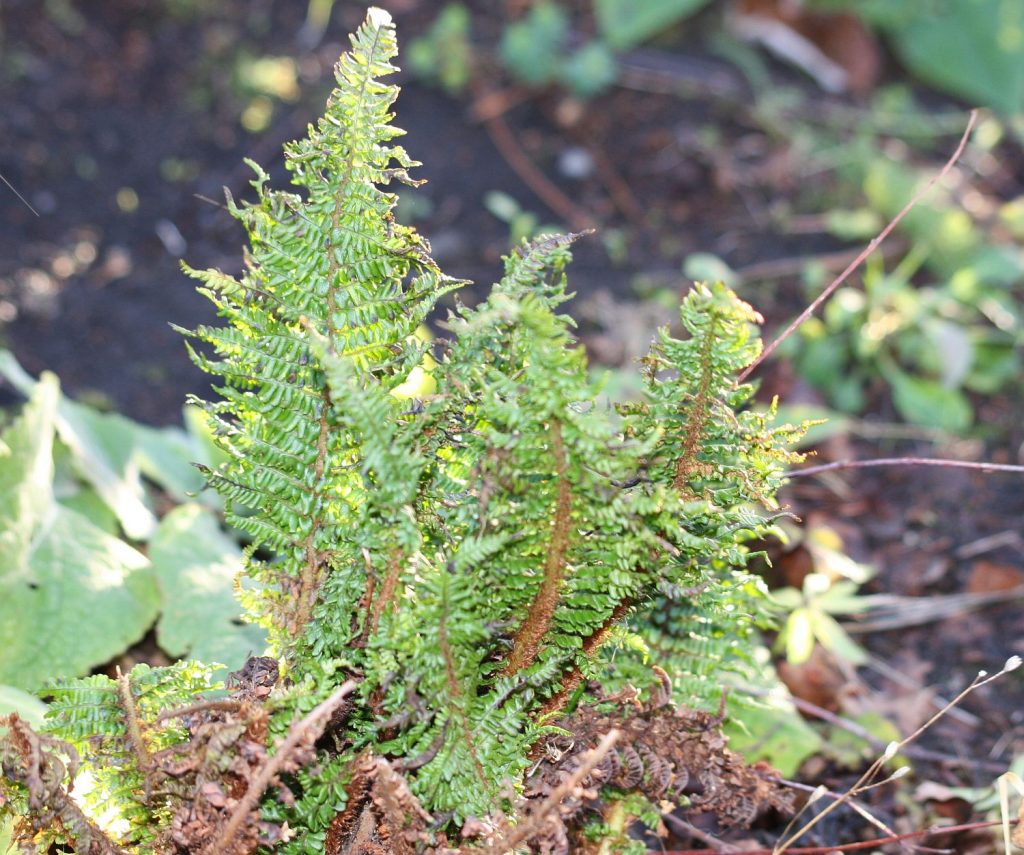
column 465, row 554
column 333, row 262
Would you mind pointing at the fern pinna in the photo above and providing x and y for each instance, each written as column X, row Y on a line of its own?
column 463, row 545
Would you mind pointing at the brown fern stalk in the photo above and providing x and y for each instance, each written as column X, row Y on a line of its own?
column 134, row 728
column 309, row 583
column 572, row 680
column 302, row 732
column 697, row 416
column 386, row 597
column 538, row 618
column 312, row 571
column 455, row 688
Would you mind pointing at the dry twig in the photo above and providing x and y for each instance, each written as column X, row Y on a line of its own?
column 853, row 265
column 907, row 461
column 533, row 822
column 302, row 731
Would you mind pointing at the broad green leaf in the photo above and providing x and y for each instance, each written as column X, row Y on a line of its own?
column 27, row 705
column 90, row 505
column 165, row 456
column 925, row 402
column 799, row 634
column 626, row 23
column 26, row 478
column 850, row 750
column 971, row 48
column 195, row 566
column 102, row 449
column 72, row 595
column 833, row 637
column 112, row 453
column 773, row 731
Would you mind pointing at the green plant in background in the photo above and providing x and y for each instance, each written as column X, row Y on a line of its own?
column 459, row 552
column 538, row 49
column 829, row 590
column 444, row 54
column 71, row 481
column 522, row 224
column 971, row 48
column 943, row 322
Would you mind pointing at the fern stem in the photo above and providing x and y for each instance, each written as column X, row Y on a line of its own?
column 312, row 570
column 572, row 680
column 303, row 732
column 538, row 618
column 134, row 728
column 698, row 414
column 455, row 687
column 386, row 596
column 309, row 582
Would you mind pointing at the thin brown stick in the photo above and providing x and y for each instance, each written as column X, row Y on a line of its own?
column 134, row 728
column 858, row 730
column 906, row 461
column 224, row 704
column 867, row 780
column 713, row 843
column 853, row 265
column 847, row 847
column 531, row 824
column 311, row 726
column 16, row 193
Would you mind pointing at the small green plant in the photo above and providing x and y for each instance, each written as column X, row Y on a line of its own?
column 944, row 322
column 538, row 48
column 961, row 48
column 438, row 564
column 830, row 589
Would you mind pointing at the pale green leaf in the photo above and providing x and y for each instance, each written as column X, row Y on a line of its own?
column 101, row 446
column 26, row 705
column 79, row 599
column 626, row 23
column 799, row 633
column 771, row 730
column 165, row 456
column 195, row 566
column 833, row 637
column 26, row 478
column 972, row 48
column 72, row 595
column 925, row 402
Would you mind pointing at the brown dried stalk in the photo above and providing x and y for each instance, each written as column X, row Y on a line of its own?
column 304, row 731
column 874, row 843
column 906, row 461
column 697, row 417
column 534, row 822
column 134, row 727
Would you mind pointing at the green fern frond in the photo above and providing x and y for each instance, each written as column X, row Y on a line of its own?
column 97, row 715
column 330, row 262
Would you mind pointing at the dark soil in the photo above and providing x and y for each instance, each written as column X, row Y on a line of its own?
column 120, row 117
